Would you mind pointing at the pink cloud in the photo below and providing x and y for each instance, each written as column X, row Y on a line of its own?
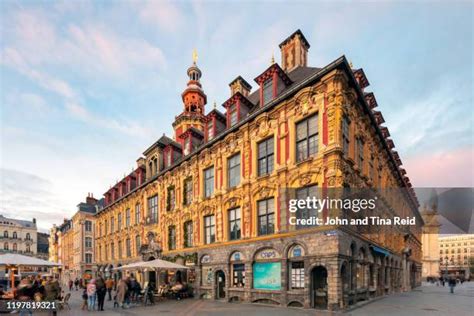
column 446, row 169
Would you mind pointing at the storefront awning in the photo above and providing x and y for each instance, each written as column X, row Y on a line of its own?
column 380, row 250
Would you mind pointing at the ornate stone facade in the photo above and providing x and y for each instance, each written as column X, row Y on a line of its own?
column 335, row 266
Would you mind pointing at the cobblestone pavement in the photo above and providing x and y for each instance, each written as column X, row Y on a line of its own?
column 426, row 300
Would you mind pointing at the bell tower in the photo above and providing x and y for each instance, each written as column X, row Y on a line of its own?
column 194, row 101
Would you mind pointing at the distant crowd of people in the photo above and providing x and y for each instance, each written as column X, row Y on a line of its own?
column 127, row 290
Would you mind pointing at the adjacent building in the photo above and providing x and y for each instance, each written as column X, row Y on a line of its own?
column 72, row 243
column 18, row 236
column 456, row 255
column 214, row 195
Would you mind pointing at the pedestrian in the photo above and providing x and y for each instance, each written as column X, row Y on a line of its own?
column 101, row 291
column 70, row 285
column 109, row 285
column 52, row 290
column 452, row 284
column 76, row 283
column 84, row 300
column 121, row 292
column 91, row 294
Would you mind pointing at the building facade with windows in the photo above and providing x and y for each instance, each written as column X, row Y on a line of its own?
column 72, row 243
column 214, row 196
column 456, row 255
column 18, row 236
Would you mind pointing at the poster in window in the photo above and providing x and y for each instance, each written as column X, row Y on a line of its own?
column 267, row 275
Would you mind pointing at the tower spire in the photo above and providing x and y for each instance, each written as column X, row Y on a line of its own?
column 195, row 56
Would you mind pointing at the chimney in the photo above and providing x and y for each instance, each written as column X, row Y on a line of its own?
column 90, row 199
column 294, row 51
column 34, row 220
column 240, row 85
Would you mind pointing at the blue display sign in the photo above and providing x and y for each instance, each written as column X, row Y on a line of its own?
column 267, row 275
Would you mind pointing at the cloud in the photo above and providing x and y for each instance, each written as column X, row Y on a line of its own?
column 25, row 195
column 127, row 127
column 446, row 169
column 163, row 14
column 92, row 49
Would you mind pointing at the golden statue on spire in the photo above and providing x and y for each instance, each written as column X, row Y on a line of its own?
column 195, row 55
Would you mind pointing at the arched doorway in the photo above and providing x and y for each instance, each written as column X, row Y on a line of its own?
column 220, row 284
column 319, row 287
column 345, row 283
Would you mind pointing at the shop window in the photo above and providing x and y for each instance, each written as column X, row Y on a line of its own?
column 297, row 275
column 209, row 229
column 265, row 157
column 209, row 182
column 234, row 224
column 307, row 138
column 266, row 217
column 233, row 171
column 238, row 275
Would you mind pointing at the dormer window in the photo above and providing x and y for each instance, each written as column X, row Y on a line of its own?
column 168, row 158
column 268, row 91
column 272, row 82
column 187, row 145
column 210, row 130
column 233, row 115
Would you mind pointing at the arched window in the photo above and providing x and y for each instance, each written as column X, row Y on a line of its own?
column 5, row 246
column 5, row 234
column 15, row 247
column 361, row 269
column 28, row 236
column 15, row 235
column 28, row 249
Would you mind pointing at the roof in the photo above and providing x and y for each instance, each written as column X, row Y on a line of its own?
column 244, row 82
column 21, row 260
column 297, row 32
column 18, row 222
column 300, row 77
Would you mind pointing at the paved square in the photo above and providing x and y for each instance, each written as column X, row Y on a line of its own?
column 426, row 300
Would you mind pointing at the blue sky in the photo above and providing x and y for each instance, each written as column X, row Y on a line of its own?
column 87, row 87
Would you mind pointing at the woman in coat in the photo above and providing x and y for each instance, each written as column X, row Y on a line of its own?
column 122, row 289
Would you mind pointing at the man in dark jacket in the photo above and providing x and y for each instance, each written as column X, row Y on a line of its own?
column 452, row 284
column 101, row 291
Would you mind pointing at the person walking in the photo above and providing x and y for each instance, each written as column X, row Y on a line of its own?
column 76, row 283
column 122, row 288
column 452, row 284
column 70, row 285
column 101, row 291
column 109, row 284
column 91, row 292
